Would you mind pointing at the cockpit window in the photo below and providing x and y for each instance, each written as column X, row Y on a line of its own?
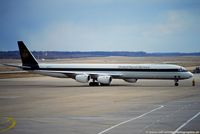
column 182, row 69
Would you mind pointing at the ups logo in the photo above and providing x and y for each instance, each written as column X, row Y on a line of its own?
column 25, row 55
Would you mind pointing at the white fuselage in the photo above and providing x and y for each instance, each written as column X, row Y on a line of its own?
column 122, row 71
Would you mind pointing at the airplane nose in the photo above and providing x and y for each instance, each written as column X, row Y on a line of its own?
column 190, row 74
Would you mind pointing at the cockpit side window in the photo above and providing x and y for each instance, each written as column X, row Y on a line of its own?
column 182, row 69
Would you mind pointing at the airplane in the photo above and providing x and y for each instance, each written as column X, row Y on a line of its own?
column 101, row 74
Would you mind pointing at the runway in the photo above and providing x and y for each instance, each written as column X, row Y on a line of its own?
column 48, row 105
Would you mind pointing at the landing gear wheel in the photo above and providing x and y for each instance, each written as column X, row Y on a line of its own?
column 93, row 84
column 176, row 80
column 104, row 84
column 176, row 84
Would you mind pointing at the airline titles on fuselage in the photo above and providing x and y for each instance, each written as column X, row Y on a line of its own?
column 133, row 67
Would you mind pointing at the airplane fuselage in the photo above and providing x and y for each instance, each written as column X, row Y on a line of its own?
column 102, row 74
column 122, row 71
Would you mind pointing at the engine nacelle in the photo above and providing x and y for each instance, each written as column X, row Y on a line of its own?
column 82, row 78
column 104, row 79
column 130, row 80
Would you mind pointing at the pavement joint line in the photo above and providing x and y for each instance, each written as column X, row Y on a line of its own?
column 184, row 124
column 132, row 119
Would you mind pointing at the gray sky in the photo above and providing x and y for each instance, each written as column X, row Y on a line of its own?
column 101, row 25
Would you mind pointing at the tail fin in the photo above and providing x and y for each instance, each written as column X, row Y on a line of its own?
column 26, row 56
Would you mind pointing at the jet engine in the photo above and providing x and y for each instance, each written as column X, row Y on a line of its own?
column 82, row 78
column 104, row 79
column 130, row 80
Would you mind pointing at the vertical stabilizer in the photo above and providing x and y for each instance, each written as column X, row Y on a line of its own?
column 26, row 56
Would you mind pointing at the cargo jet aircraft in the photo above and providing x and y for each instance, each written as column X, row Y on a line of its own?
column 102, row 74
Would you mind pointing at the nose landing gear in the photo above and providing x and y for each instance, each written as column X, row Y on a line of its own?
column 176, row 81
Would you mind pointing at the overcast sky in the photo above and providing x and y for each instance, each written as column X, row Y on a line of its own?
column 101, row 25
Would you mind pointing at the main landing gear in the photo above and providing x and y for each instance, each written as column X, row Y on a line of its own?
column 95, row 83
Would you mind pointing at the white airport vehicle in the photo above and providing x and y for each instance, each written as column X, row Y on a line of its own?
column 102, row 74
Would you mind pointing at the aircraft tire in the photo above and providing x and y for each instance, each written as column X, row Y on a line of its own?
column 93, row 84
column 104, row 84
column 176, row 84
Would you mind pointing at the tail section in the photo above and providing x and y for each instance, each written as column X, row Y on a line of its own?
column 26, row 56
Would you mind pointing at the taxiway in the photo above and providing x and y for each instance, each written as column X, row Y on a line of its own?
column 50, row 105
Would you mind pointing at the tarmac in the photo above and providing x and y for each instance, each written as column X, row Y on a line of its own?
column 45, row 105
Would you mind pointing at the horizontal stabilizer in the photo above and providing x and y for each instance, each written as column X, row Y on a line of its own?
column 21, row 67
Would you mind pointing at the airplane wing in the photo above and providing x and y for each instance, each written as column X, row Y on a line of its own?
column 72, row 74
column 68, row 74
